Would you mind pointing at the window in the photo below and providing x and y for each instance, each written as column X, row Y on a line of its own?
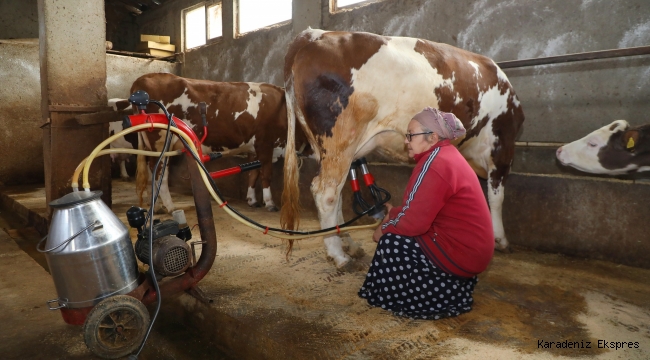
column 215, row 24
column 195, row 27
column 343, row 3
column 256, row 14
column 200, row 28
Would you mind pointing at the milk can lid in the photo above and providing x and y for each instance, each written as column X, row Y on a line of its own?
column 75, row 197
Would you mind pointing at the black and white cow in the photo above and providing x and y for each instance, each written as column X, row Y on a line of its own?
column 614, row 149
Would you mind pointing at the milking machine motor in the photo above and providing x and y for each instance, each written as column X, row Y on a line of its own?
column 93, row 262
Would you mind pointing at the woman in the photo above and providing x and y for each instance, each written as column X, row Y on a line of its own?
column 431, row 248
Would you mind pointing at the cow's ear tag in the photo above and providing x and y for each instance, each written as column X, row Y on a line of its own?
column 630, row 143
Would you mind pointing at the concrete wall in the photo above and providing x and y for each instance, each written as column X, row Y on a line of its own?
column 20, row 118
column 561, row 102
column 18, row 19
column 20, row 113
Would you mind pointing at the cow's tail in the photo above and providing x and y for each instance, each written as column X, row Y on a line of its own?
column 290, row 211
column 142, row 172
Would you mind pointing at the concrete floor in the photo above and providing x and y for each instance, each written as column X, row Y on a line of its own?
column 266, row 307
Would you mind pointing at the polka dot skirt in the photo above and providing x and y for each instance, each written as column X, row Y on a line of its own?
column 402, row 280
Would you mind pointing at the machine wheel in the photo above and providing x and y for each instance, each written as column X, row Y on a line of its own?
column 116, row 326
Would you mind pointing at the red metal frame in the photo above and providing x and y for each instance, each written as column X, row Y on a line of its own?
column 144, row 118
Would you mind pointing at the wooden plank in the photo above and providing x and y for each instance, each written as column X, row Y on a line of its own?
column 77, row 108
column 101, row 117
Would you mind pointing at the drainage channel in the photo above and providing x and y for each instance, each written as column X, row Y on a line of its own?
column 170, row 338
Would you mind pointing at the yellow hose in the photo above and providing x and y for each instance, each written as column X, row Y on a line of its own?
column 77, row 172
column 277, row 234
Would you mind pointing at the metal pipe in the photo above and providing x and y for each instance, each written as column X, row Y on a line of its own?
column 592, row 55
column 203, row 206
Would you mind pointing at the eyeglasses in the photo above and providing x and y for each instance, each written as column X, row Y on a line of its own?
column 410, row 136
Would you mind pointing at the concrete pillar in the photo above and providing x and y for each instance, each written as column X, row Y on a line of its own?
column 72, row 36
column 307, row 13
column 228, row 16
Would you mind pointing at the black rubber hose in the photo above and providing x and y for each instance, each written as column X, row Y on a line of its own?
column 154, row 196
column 315, row 232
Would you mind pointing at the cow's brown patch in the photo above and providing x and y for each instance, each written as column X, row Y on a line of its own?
column 616, row 154
column 322, row 75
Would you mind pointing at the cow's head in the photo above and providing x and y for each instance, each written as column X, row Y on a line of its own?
column 608, row 150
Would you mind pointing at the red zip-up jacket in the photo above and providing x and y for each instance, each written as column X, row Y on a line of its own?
column 445, row 210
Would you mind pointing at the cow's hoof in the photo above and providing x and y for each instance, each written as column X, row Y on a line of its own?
column 502, row 246
column 272, row 208
column 352, row 266
column 254, row 205
column 356, row 252
column 342, row 262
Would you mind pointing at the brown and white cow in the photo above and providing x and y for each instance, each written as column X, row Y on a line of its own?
column 243, row 118
column 130, row 141
column 356, row 92
column 614, row 149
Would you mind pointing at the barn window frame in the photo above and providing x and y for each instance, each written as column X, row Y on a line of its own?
column 207, row 6
column 237, row 21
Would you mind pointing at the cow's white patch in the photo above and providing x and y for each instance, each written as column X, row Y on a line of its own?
column 500, row 74
column 414, row 74
column 189, row 123
column 475, row 66
column 277, row 152
column 268, row 199
column 247, row 146
column 206, row 149
column 254, row 100
column 493, row 103
column 250, row 196
column 315, row 34
column 113, row 103
column 184, row 101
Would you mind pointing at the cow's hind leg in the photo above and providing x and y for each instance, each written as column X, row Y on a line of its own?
column 497, row 175
column 251, row 198
column 326, row 188
column 267, row 172
column 495, row 200
column 350, row 246
column 124, row 175
column 164, row 197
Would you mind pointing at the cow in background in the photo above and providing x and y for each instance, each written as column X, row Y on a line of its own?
column 352, row 93
column 130, row 141
column 614, row 149
column 243, row 118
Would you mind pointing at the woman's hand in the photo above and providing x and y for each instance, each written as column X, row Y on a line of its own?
column 378, row 233
column 387, row 217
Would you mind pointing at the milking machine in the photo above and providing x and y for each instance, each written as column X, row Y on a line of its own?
column 93, row 262
column 379, row 195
